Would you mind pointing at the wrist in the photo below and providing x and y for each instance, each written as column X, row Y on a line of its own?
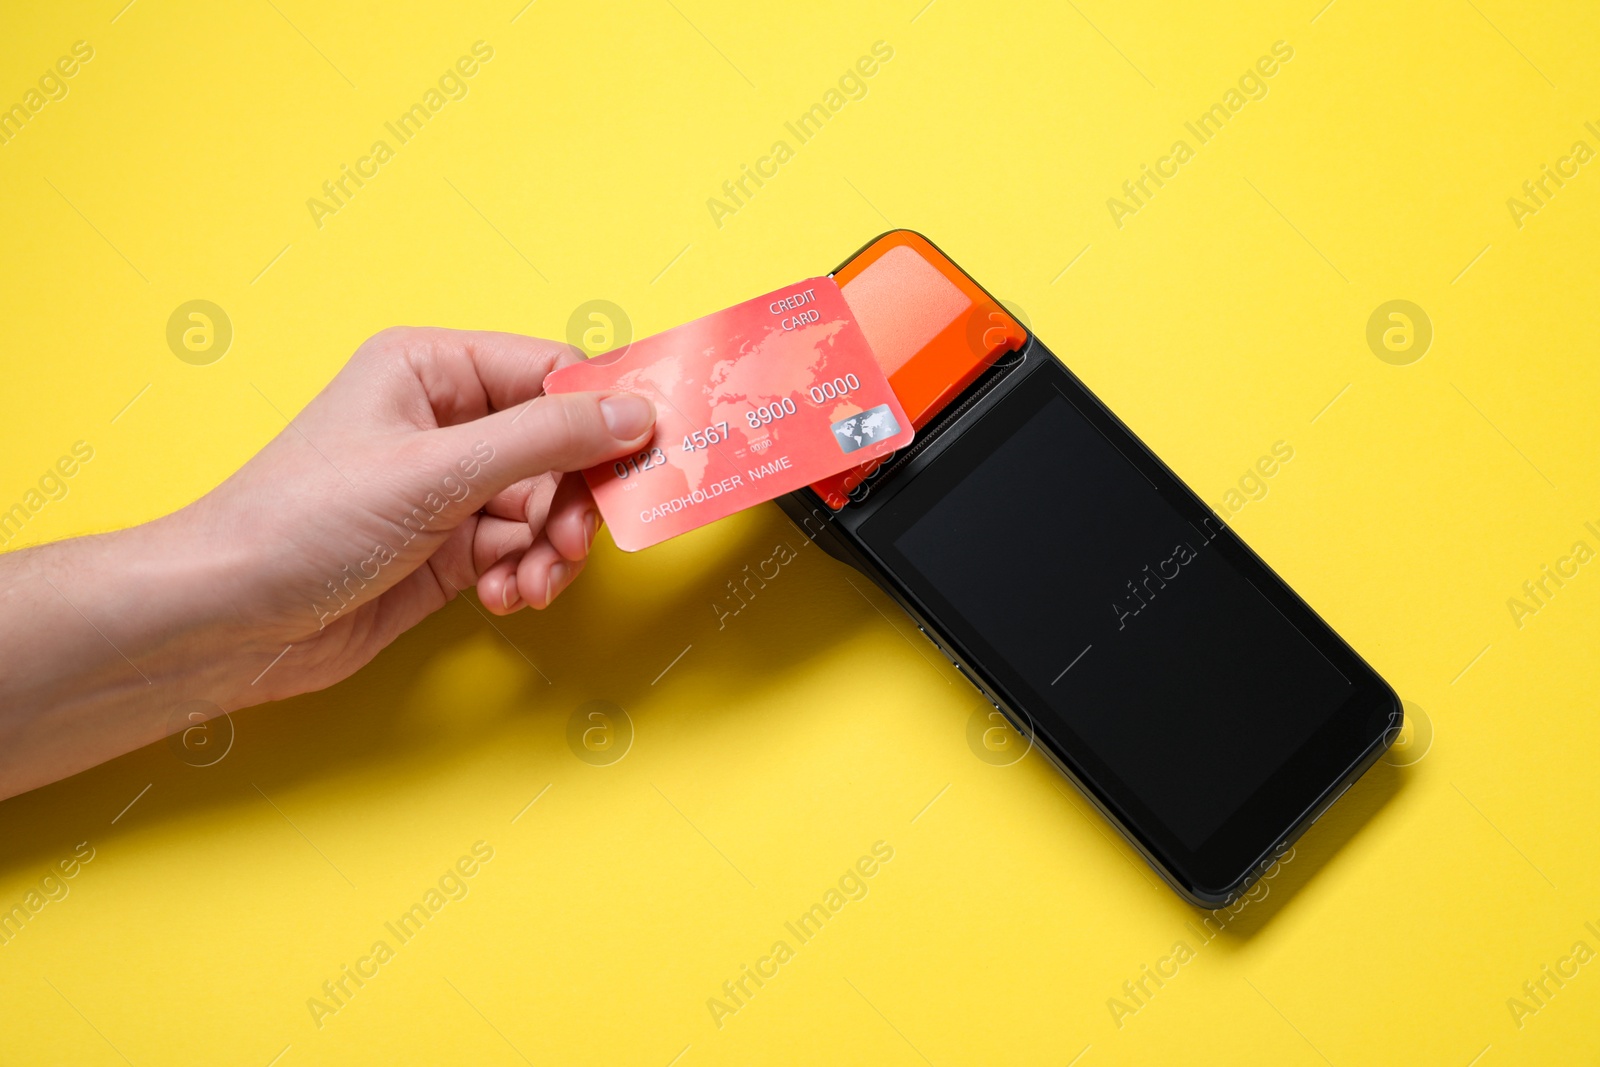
column 195, row 585
column 106, row 638
column 159, row 595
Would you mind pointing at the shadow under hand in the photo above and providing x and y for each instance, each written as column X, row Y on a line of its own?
column 464, row 680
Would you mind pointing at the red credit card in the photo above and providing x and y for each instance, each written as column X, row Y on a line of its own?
column 751, row 402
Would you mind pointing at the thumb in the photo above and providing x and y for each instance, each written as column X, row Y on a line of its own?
column 562, row 432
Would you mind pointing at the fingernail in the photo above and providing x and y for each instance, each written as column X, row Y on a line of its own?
column 591, row 526
column 508, row 595
column 627, row 415
column 555, row 583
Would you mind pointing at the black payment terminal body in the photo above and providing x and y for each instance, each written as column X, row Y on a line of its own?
column 1087, row 593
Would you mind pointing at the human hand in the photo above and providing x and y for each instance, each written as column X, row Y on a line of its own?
column 431, row 462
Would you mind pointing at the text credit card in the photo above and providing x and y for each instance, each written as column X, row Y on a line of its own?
column 751, row 402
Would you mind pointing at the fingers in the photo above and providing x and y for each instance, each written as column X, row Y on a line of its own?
column 543, row 573
column 527, row 500
column 502, row 549
column 566, row 432
column 498, row 539
column 507, row 443
column 573, row 519
column 466, row 374
column 497, row 586
column 527, row 579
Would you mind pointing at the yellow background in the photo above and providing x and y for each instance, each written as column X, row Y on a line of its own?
column 1223, row 317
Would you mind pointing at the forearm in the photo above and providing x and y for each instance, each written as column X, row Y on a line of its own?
column 413, row 475
column 102, row 639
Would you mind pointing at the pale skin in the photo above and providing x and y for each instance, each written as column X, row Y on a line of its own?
column 432, row 463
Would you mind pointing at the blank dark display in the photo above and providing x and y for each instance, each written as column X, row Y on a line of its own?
column 1193, row 690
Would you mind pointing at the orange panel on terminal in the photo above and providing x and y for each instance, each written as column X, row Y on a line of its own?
column 931, row 327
